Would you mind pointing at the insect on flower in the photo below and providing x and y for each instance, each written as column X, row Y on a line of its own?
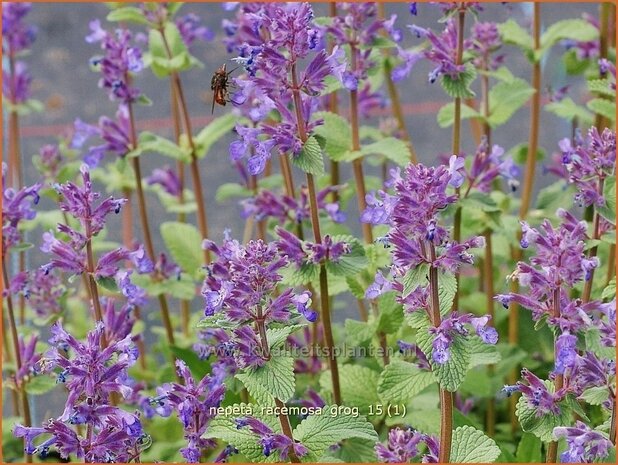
column 219, row 86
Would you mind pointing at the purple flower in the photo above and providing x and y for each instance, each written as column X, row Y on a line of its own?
column 379, row 286
column 442, row 51
column 584, row 50
column 29, row 358
column 484, row 40
column 16, row 207
column 44, row 297
column 566, row 352
column 584, row 445
column 248, row 350
column 588, row 371
column 402, row 446
column 538, row 395
column 328, row 250
column 167, row 178
column 135, row 295
column 16, row 86
column 488, row 165
column 271, row 441
column 16, row 35
column 456, row 166
column 191, row 29
column 119, row 61
column 50, row 160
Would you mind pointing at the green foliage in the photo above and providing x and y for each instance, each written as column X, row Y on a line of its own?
column 575, row 29
column 149, row 142
column 199, row 368
column 602, row 87
column 513, row 33
column 39, row 385
column 506, row 98
column 446, row 115
column 128, row 14
column 359, row 386
column 415, row 277
column 169, row 55
column 351, row 263
column 529, row 449
column 569, row 110
column 460, row 87
column 390, row 313
column 184, row 242
column 276, row 377
column 472, row 446
column 391, row 148
column 603, row 107
column 310, row 158
column 231, row 190
column 319, row 432
column 218, row 128
column 608, row 210
column 400, row 381
column 336, row 133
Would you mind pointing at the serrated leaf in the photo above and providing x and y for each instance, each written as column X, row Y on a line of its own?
column 541, row 426
column 595, row 395
column 230, row 190
column 529, row 449
column 609, row 292
column 336, row 132
column 199, row 368
column 506, row 98
column 391, row 148
column 400, row 381
column 569, row 110
column 446, row 114
column 513, row 33
column 451, row 374
column 128, row 14
column 310, row 158
column 39, row 385
column 390, row 313
column 574, row 29
column 460, row 87
column 149, row 142
column 256, row 390
column 212, row 132
column 554, row 196
column 481, row 353
column 298, row 276
column 603, row 107
column 358, row 332
column 359, row 386
column 108, row 283
column 216, row 321
column 184, row 242
column 415, row 277
column 349, row 264
column 277, row 336
column 602, row 87
column 355, row 287
column 471, row 446
column 276, row 376
column 183, row 288
column 447, row 288
column 318, row 432
column 520, row 153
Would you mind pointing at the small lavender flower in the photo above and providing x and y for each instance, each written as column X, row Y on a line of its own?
column 167, row 178
column 588, row 371
column 119, row 61
column 16, row 207
column 44, row 296
column 49, row 161
column 191, row 29
column 29, row 358
column 584, row 50
column 403, row 446
column 537, row 394
column 483, row 42
column 271, row 441
column 16, row 34
column 584, row 445
column 566, row 352
column 488, row 164
column 16, row 86
column 194, row 403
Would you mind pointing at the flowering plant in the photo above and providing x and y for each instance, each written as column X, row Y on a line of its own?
column 312, row 270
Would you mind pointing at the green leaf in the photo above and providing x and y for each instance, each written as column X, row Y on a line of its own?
column 481, row 353
column 184, row 242
column 520, row 153
column 212, row 132
column 359, row 386
column 451, row 374
column 230, row 190
column 128, row 14
column 610, row 291
column 529, row 449
column 554, row 196
column 336, row 133
column 602, row 87
column 358, row 332
column 608, row 210
column 595, row 395
column 199, row 368
column 575, row 29
column 446, row 115
column 603, row 107
column 506, row 98
column 355, row 287
column 216, row 321
column 318, row 432
column 472, row 446
column 167, row 58
column 447, row 288
column 351, row 263
column 569, row 110
column 276, row 376
column 543, row 426
column 293, row 276
column 415, row 277
column 460, row 87
column 310, row 158
column 400, row 381
column 21, row 247
column 183, row 288
column 391, row 148
column 277, row 336
column 513, row 33
column 108, row 283
column 390, row 313
column 149, row 142
column 39, row 385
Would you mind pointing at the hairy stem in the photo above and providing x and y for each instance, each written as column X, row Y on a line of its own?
column 528, row 184
column 317, row 236
column 333, row 107
column 25, row 406
column 446, row 397
column 143, row 213
column 488, row 275
column 456, row 147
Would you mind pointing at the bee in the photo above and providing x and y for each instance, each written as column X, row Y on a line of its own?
column 219, row 85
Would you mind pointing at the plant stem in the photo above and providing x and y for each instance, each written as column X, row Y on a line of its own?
column 284, row 420
column 604, row 19
column 317, row 236
column 533, row 140
column 143, row 213
column 195, row 171
column 18, row 362
column 446, row 397
column 456, row 147
column 552, row 448
column 393, row 93
column 596, row 233
column 333, row 107
column 488, row 275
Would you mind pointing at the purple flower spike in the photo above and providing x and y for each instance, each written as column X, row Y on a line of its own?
column 167, row 178
column 16, row 35
column 271, row 441
column 584, row 445
column 538, row 396
column 17, row 206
